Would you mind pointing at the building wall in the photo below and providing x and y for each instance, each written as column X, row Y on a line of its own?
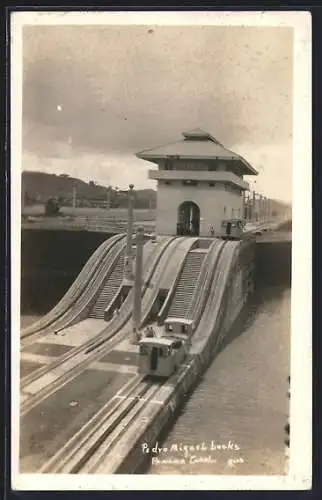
column 215, row 204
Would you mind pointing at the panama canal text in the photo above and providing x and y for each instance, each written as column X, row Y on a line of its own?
column 179, row 453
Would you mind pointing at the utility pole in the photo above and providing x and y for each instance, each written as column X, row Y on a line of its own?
column 243, row 215
column 108, row 199
column 264, row 209
column 137, row 299
column 74, row 195
column 128, row 274
column 249, row 208
column 23, row 197
column 260, row 208
column 254, row 207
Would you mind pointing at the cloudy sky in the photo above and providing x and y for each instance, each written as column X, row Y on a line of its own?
column 94, row 96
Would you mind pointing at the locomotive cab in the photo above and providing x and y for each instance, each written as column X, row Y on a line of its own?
column 161, row 357
column 232, row 229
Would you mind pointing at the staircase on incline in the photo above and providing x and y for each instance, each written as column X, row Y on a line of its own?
column 187, row 283
column 109, row 289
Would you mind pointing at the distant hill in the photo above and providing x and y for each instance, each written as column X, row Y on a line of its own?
column 38, row 187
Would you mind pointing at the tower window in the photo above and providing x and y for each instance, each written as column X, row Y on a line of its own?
column 190, row 183
column 211, row 184
column 168, row 183
column 168, row 165
column 224, row 210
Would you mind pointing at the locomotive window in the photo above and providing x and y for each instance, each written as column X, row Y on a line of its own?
column 163, row 352
column 144, row 351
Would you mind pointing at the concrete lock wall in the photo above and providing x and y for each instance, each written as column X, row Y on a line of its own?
column 215, row 204
column 233, row 296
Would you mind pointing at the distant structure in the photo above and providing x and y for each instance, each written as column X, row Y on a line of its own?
column 200, row 183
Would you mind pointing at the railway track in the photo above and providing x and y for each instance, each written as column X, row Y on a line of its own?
column 84, row 450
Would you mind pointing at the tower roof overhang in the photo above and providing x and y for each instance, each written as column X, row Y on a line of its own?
column 196, row 145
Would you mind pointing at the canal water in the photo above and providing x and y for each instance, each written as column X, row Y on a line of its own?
column 236, row 414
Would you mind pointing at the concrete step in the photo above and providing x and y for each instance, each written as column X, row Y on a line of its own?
column 186, row 283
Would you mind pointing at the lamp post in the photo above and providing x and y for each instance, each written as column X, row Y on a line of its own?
column 128, row 274
column 137, row 287
column 108, row 199
column 74, row 195
column 260, row 208
column 254, row 207
column 249, row 208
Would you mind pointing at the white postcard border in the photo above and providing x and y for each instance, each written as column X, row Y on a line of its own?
column 299, row 476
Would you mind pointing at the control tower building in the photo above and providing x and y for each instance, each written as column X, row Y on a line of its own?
column 199, row 184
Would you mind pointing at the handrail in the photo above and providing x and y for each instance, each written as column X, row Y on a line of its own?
column 76, row 288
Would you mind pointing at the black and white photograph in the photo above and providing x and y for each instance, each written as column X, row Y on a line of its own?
column 161, row 250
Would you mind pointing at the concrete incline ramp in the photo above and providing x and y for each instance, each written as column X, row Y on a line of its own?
column 82, row 281
column 49, row 378
column 159, row 410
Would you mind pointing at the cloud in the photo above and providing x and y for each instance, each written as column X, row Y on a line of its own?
column 116, row 170
column 123, row 89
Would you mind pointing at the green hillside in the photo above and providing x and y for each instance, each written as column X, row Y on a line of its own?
column 38, row 187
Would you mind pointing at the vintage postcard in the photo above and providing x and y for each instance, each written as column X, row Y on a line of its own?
column 161, row 250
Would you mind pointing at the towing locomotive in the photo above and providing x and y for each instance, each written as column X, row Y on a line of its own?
column 162, row 356
column 232, row 229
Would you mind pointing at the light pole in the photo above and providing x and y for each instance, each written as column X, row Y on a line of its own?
column 108, row 199
column 260, row 208
column 74, row 195
column 254, row 207
column 249, row 208
column 128, row 274
column 136, row 318
column 244, row 206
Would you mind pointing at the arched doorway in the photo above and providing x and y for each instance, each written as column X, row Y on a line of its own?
column 188, row 219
